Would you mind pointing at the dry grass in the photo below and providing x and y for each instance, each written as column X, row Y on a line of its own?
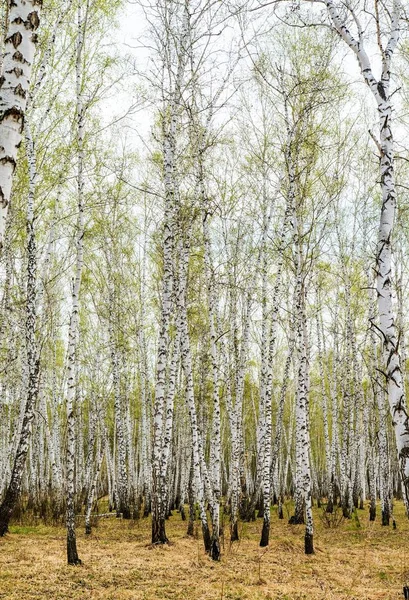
column 363, row 562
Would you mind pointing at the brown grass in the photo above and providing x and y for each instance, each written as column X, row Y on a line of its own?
column 351, row 562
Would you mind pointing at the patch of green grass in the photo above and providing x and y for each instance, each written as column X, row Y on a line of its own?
column 26, row 530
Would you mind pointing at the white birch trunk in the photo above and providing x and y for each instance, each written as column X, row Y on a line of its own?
column 327, row 440
column 186, row 359
column 122, row 478
column 72, row 555
column 216, row 421
column 93, row 487
column 170, row 123
column 32, row 354
column 387, row 328
column 15, row 76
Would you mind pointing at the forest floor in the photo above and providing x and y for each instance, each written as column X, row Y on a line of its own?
column 357, row 560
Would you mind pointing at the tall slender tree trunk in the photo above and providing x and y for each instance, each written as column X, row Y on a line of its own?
column 158, row 501
column 72, row 554
column 303, row 423
column 171, row 115
column 334, row 413
column 93, row 486
column 387, row 330
column 199, row 469
column 32, row 354
column 122, row 478
column 216, row 421
column 15, row 76
column 324, row 401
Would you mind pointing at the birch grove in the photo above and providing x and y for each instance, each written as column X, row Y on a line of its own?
column 203, row 272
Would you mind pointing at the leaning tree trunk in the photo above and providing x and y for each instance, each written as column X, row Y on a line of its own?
column 15, row 75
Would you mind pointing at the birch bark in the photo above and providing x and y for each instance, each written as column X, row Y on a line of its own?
column 171, row 116
column 15, row 76
column 122, row 478
column 216, row 421
column 387, row 329
column 93, row 486
column 72, row 554
column 186, row 359
column 32, row 353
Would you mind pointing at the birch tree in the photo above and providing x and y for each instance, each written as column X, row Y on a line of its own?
column 386, row 20
column 32, row 351
column 72, row 365
column 16, row 67
column 172, row 96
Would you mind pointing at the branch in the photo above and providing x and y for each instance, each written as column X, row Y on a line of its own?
column 376, row 141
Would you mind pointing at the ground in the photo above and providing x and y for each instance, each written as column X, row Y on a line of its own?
column 356, row 560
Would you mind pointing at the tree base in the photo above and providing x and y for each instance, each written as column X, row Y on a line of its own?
column 126, row 512
column 72, row 555
column 6, row 510
column 309, row 543
column 159, row 532
column 234, row 537
column 147, row 509
column 215, row 549
column 296, row 520
column 265, row 534
column 207, row 540
column 4, row 528
column 190, row 529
